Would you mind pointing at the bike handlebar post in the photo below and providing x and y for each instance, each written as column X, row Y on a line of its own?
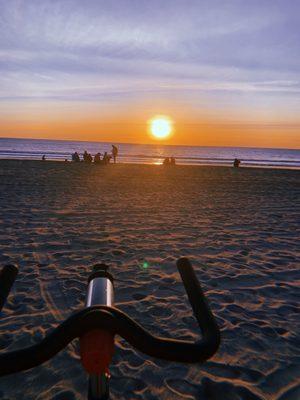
column 96, row 346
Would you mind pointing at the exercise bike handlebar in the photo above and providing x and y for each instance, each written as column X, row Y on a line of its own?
column 116, row 322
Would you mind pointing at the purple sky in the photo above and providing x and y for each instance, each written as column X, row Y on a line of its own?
column 241, row 56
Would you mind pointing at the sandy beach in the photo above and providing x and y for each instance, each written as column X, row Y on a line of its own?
column 240, row 228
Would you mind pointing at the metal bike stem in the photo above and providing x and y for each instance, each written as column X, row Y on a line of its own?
column 100, row 292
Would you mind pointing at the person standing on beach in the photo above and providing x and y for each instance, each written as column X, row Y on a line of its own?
column 114, row 152
column 236, row 163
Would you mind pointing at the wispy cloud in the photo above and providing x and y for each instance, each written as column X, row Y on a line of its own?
column 73, row 50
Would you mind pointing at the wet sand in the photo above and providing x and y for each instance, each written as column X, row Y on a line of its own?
column 240, row 228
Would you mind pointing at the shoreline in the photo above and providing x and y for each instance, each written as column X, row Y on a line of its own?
column 203, row 165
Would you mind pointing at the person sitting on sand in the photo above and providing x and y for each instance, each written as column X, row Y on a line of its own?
column 236, row 163
column 87, row 157
column 166, row 162
column 97, row 158
column 106, row 158
column 114, row 152
column 75, row 157
column 172, row 161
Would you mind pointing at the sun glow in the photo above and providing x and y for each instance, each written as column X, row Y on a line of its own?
column 160, row 127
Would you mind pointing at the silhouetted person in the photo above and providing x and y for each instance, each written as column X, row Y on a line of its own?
column 75, row 157
column 44, row 158
column 172, row 161
column 166, row 162
column 97, row 158
column 236, row 163
column 114, row 152
column 106, row 158
column 87, row 157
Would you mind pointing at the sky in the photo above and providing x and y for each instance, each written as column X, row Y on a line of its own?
column 227, row 73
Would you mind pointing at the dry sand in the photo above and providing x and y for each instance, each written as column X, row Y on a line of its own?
column 240, row 228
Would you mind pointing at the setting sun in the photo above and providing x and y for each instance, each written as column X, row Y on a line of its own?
column 160, row 127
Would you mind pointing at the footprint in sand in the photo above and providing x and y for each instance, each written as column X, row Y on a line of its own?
column 232, row 372
column 5, row 340
column 61, row 394
column 65, row 395
column 127, row 384
column 291, row 394
column 182, row 388
column 227, row 391
column 139, row 296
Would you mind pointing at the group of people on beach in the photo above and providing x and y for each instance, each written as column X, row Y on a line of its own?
column 88, row 158
column 169, row 161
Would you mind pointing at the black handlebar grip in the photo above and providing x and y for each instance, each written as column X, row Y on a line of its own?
column 117, row 322
column 201, row 309
column 7, row 278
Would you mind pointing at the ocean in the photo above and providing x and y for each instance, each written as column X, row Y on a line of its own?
column 150, row 153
